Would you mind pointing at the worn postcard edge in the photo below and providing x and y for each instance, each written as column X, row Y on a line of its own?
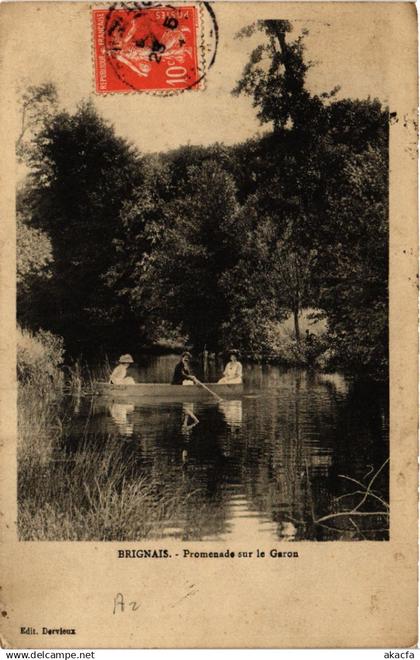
column 377, row 581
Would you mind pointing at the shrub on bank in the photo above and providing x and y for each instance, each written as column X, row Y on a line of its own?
column 39, row 358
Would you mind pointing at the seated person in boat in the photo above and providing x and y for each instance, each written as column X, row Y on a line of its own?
column 232, row 374
column 182, row 373
column 119, row 375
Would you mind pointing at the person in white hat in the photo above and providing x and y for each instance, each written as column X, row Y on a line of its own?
column 119, row 375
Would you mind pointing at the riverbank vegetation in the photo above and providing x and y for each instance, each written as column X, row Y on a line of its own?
column 84, row 495
column 220, row 244
column 89, row 496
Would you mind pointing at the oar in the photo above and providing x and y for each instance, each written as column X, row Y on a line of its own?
column 198, row 382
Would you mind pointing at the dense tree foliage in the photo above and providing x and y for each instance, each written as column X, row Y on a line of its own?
column 33, row 253
column 217, row 241
column 328, row 195
column 81, row 174
column 198, row 248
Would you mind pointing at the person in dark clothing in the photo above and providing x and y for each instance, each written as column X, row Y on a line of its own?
column 182, row 374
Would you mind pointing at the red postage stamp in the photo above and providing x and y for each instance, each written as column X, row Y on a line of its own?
column 146, row 48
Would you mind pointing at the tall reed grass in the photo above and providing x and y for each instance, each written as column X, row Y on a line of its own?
column 86, row 494
column 89, row 494
column 80, row 378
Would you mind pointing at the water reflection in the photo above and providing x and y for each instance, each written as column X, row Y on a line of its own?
column 264, row 465
column 189, row 418
column 335, row 382
column 232, row 412
column 119, row 413
column 247, row 523
column 287, row 531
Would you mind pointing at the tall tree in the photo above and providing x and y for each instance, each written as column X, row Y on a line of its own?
column 326, row 190
column 81, row 173
column 275, row 78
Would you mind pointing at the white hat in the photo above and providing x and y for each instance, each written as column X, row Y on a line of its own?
column 126, row 359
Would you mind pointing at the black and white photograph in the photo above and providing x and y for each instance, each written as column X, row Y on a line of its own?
column 202, row 297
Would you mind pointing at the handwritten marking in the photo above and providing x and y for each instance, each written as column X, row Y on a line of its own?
column 120, row 605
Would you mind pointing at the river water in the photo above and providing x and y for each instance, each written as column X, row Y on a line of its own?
column 268, row 465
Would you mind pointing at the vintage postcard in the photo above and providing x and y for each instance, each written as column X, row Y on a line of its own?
column 209, row 324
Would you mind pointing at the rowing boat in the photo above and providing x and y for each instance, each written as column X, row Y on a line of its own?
column 166, row 391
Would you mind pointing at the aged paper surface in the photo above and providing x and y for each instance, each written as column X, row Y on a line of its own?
column 328, row 593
